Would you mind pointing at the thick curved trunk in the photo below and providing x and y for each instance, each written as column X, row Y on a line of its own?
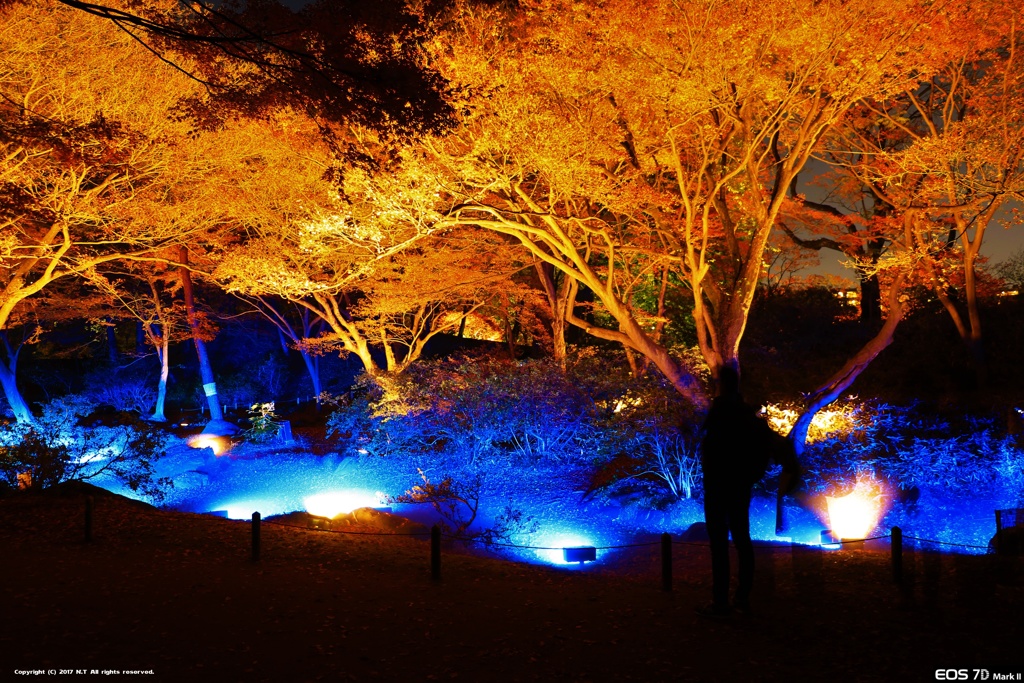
column 205, row 368
column 631, row 334
column 161, row 391
column 841, row 381
column 870, row 300
column 8, row 381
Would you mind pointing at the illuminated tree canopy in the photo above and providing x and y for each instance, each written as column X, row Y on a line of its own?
column 391, row 170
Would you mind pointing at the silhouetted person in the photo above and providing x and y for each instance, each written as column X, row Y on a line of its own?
column 735, row 451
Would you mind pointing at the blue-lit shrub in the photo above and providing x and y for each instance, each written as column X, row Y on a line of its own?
column 488, row 416
column 671, row 455
column 458, row 503
column 264, row 424
column 125, row 394
column 909, row 448
column 57, row 448
column 525, row 412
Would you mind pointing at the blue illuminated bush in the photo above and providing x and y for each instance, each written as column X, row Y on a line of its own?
column 524, row 412
column 124, row 393
column 58, row 448
column 488, row 415
column 910, row 448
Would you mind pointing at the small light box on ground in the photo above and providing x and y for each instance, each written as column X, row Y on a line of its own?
column 580, row 554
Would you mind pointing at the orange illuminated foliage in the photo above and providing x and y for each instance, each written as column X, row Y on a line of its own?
column 94, row 161
column 934, row 163
column 350, row 62
column 610, row 142
column 360, row 246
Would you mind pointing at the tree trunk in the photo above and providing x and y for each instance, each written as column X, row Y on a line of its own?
column 975, row 347
column 559, row 348
column 313, row 368
column 284, row 343
column 140, row 338
column 8, row 380
column 205, row 369
column 389, row 353
column 111, row 331
column 559, row 299
column 839, row 382
column 165, row 371
column 462, row 322
column 870, row 300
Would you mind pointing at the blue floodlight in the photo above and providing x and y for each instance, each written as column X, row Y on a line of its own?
column 581, row 554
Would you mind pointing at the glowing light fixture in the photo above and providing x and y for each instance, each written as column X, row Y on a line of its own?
column 333, row 503
column 219, row 444
column 830, row 540
column 854, row 515
column 563, row 548
column 581, row 554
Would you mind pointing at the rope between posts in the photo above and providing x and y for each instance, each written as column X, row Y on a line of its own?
column 537, row 547
column 606, row 547
column 960, row 545
column 666, row 543
column 338, row 530
column 163, row 514
column 861, row 540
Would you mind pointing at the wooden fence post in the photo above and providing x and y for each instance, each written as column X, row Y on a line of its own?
column 255, row 537
column 897, row 554
column 666, row 562
column 88, row 519
column 435, row 552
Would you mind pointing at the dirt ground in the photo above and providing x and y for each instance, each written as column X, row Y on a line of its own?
column 179, row 595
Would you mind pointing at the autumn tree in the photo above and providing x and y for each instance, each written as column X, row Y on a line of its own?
column 147, row 292
column 944, row 155
column 940, row 159
column 91, row 150
column 610, row 145
column 347, row 61
column 395, row 302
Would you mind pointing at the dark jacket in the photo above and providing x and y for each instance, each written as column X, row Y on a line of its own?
column 739, row 445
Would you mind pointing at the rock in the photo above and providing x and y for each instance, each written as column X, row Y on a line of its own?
column 364, row 520
column 1008, row 541
column 696, row 533
column 284, row 433
column 221, row 428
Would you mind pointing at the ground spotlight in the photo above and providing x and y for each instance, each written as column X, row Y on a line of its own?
column 581, row 554
column 830, row 540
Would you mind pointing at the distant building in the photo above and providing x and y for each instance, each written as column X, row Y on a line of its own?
column 850, row 297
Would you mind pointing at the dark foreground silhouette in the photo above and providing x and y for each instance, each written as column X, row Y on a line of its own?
column 178, row 594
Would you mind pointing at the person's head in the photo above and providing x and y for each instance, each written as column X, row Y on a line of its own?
column 728, row 381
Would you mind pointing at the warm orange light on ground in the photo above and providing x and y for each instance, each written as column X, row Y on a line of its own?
column 857, row 513
column 219, row 444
